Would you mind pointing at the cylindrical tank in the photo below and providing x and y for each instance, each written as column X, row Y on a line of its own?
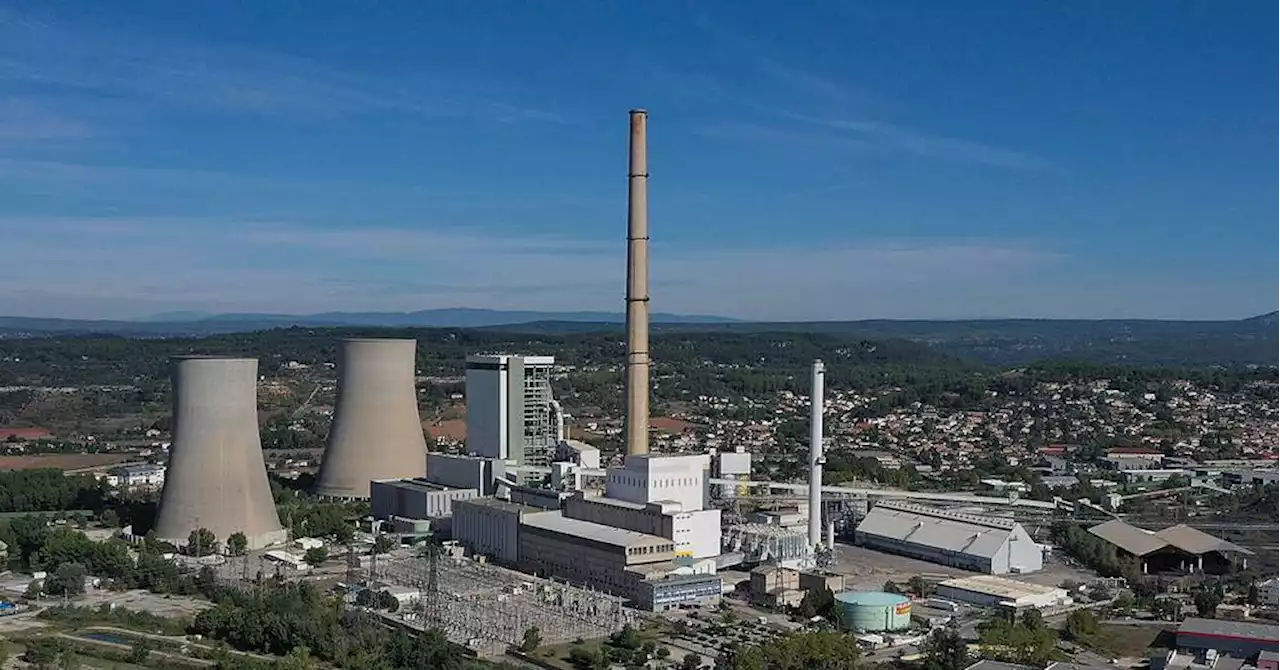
column 874, row 611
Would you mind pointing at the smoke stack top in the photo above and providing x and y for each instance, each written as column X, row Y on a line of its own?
column 637, row 381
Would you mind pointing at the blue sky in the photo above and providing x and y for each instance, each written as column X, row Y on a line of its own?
column 837, row 160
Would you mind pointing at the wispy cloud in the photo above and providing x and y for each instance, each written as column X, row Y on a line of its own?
column 161, row 264
column 25, row 120
column 219, row 78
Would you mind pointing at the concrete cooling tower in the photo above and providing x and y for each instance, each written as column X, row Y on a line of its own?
column 217, row 478
column 376, row 431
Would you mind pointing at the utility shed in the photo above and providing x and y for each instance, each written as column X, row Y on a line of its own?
column 968, row 541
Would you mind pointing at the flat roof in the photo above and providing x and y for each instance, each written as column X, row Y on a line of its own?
column 418, row 485
column 1228, row 629
column 612, row 502
column 1001, row 587
column 504, row 358
column 555, row 522
column 500, row 504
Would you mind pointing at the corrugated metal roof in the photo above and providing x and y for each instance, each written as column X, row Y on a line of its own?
column 933, row 531
column 1195, row 541
column 1129, row 538
column 1225, row 628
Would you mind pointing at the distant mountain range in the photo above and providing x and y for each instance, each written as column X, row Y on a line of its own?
column 201, row 323
column 1251, row 341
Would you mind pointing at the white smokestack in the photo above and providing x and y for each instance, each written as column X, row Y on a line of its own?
column 637, row 381
column 815, row 454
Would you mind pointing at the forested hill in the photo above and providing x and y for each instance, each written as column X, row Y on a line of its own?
column 103, row 359
column 1245, row 342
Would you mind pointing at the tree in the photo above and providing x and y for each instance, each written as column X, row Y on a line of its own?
column 43, row 653
column 890, row 587
column 316, row 556
column 690, row 662
column 140, row 652
column 1081, row 627
column 68, row 660
column 531, row 640
column 109, row 518
column 826, row 650
column 1124, row 602
column 6, row 650
column 298, row 659
column 202, row 542
column 1253, row 597
column 946, row 650
column 34, row 590
column 383, row 544
column 1032, row 620
column 68, row 580
column 918, row 586
column 237, row 544
column 1207, row 601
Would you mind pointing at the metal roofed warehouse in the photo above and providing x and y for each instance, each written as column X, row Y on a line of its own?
column 1178, row 547
column 990, row 591
column 968, row 541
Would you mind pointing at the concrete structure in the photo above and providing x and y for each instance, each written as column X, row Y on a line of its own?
column 817, row 381
column 992, row 591
column 217, row 478
column 651, row 478
column 376, row 432
column 464, row 472
column 589, row 553
column 873, row 611
column 968, row 541
column 145, row 475
column 1181, row 548
column 414, row 499
column 490, row 527
column 511, row 414
column 775, row 586
column 696, row 534
column 578, row 453
column 675, row 590
column 636, row 388
column 814, row 581
column 1269, row 593
column 761, row 543
column 1237, row 638
column 734, row 464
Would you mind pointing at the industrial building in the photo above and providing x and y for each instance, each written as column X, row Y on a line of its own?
column 992, row 591
column 142, row 475
column 217, row 478
column 873, row 611
column 376, row 431
column 696, row 533
column 511, row 413
column 414, row 499
column 1178, row 548
column 968, row 541
column 464, row 472
column 490, row 527
column 1237, row 638
column 646, row 479
column 734, row 464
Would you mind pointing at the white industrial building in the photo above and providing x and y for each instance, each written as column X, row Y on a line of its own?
column 980, row 543
column 579, row 453
column 648, row 478
column 414, row 499
column 511, row 414
column 992, row 591
column 734, row 464
column 696, row 533
column 142, row 475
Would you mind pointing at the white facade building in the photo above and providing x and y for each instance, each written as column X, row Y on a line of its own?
column 511, row 414
column 696, row 533
column 651, row 478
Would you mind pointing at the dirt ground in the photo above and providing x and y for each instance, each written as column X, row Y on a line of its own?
column 866, row 569
column 61, row 461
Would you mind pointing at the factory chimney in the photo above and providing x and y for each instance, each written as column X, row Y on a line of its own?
column 637, row 381
column 217, row 479
column 816, row 458
column 376, row 432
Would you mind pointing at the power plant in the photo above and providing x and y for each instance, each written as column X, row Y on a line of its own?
column 637, row 381
column 376, row 431
column 217, row 479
